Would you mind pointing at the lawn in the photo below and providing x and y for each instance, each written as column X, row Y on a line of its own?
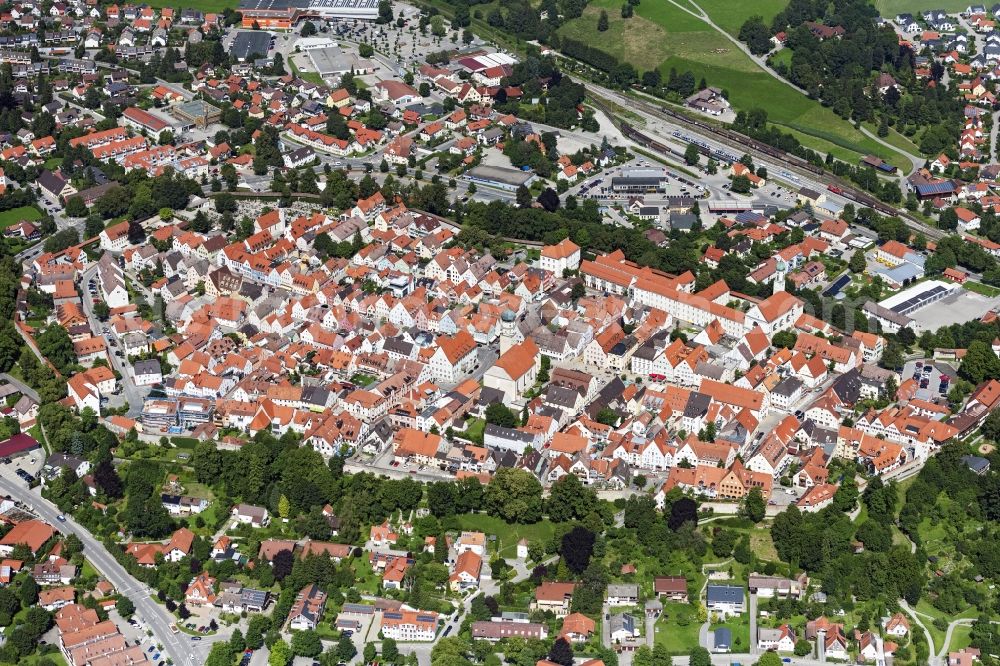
column 310, row 77
column 362, row 379
column 14, row 215
column 684, row 42
column 474, row 430
column 53, row 163
column 31, row 660
column 740, row 626
column 676, row 638
column 895, row 138
column 980, row 288
column 762, row 545
column 507, row 534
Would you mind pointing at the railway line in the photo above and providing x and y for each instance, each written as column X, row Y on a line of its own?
column 745, row 144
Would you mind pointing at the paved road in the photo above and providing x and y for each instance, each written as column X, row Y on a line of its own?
column 21, row 386
column 753, row 624
column 175, row 646
column 132, row 393
column 932, row 659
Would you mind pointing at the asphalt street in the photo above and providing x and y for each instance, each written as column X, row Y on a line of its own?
column 175, row 646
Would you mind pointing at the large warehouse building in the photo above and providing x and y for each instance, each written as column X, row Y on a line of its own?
column 283, row 14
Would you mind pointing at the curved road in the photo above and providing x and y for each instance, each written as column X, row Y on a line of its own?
column 175, row 646
column 932, row 659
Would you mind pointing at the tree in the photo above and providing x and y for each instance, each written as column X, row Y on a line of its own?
column 684, row 510
column 803, row 648
column 857, row 263
column 93, row 226
column 561, row 653
column 308, row 29
column 222, row 654
column 125, row 607
column 691, row 154
column 700, row 657
column 602, row 22
column 570, row 500
column 756, row 35
column 28, row 592
column 549, row 200
column 75, row 207
column 101, row 310
column 389, row 650
column 280, row 655
column 769, row 658
column 754, row 506
column 500, row 415
column 514, row 495
column 991, row 426
column 107, row 479
column 523, row 197
column 282, row 564
column 577, row 547
column 306, row 644
column 283, row 507
column 345, row 648
column 741, row 185
column 784, row 339
column 979, row 363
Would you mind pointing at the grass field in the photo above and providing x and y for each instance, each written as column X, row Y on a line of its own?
column 684, row 42
column 730, row 15
column 889, row 8
column 960, row 638
column 201, row 5
column 507, row 534
column 15, row 215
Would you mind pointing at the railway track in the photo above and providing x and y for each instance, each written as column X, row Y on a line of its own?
column 751, row 146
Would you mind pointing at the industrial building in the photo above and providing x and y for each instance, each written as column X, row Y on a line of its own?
column 639, row 181
column 500, row 177
column 335, row 61
column 197, row 112
column 250, row 45
column 284, row 14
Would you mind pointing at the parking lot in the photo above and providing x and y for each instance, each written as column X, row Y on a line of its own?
column 934, row 379
column 31, row 462
column 957, row 308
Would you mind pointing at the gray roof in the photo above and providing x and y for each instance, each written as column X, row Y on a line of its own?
column 508, row 433
column 623, row 622
column 788, row 386
column 146, row 367
column 623, row 590
column 724, row 594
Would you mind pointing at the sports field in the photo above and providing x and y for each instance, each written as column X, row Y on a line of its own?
column 662, row 35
